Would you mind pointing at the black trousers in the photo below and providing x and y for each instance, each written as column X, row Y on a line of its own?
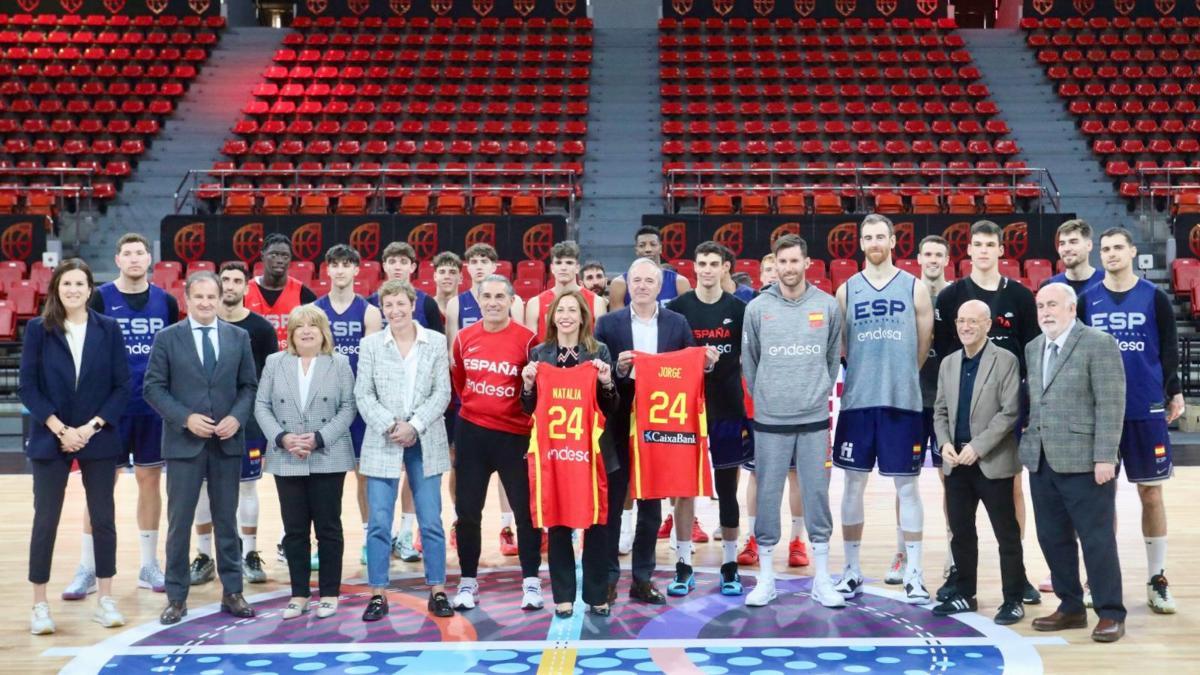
column 49, row 488
column 1067, row 505
column 966, row 486
column 595, row 565
column 478, row 453
column 312, row 502
column 645, row 534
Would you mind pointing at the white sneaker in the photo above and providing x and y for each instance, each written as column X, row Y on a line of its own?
column 151, row 576
column 40, row 622
column 107, row 614
column 405, row 548
column 82, row 585
column 465, row 598
column 625, row 543
column 850, row 585
column 762, row 593
column 531, row 594
column 914, row 589
column 895, row 573
column 1158, row 595
column 825, row 594
column 1087, row 596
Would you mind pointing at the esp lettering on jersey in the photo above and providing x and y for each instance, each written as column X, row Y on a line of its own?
column 348, row 328
column 276, row 314
column 1134, row 324
column 668, row 436
column 138, row 327
column 568, row 484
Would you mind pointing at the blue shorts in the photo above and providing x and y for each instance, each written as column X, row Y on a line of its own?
column 893, row 437
column 252, row 458
column 141, row 436
column 930, row 443
column 358, row 431
column 1145, row 451
column 730, row 442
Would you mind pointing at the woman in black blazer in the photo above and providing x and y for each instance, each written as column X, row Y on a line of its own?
column 75, row 383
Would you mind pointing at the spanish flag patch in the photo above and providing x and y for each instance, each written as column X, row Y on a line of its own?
column 916, row 449
column 816, row 319
column 255, row 453
column 1160, row 450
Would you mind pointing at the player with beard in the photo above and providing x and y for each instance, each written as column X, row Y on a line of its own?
column 1074, row 239
column 234, row 277
column 595, row 280
column 275, row 294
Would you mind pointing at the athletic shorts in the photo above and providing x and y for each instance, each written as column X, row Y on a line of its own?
column 1145, row 451
column 730, row 442
column 252, row 458
column 141, row 436
column 930, row 443
column 892, row 437
column 358, row 431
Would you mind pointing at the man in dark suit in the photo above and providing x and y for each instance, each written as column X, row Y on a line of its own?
column 202, row 380
column 1077, row 407
column 644, row 326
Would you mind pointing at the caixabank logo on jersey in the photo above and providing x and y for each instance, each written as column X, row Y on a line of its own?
column 669, row 437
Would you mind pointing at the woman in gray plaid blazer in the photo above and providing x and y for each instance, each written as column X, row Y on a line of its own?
column 403, row 389
column 305, row 405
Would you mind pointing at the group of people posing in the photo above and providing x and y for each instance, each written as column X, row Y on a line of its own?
column 594, row 397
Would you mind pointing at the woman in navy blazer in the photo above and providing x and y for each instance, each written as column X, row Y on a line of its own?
column 75, row 383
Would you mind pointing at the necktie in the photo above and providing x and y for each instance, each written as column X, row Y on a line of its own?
column 1051, row 360
column 210, row 354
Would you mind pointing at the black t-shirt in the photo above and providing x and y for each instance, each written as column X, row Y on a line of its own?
column 137, row 302
column 271, row 295
column 719, row 325
column 263, row 341
column 1014, row 316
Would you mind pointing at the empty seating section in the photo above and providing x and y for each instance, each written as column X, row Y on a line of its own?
column 90, row 92
column 347, row 98
column 21, row 293
column 1132, row 85
column 898, row 99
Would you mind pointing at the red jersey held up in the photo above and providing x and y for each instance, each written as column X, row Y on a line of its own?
column 486, row 375
column 546, row 297
column 276, row 314
column 668, row 435
column 568, row 484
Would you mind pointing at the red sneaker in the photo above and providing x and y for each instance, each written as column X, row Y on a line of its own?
column 508, row 542
column 797, row 553
column 699, row 536
column 454, row 535
column 749, row 554
column 664, row 531
column 545, row 541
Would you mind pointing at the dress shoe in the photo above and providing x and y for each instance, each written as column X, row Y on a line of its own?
column 600, row 610
column 612, row 593
column 376, row 609
column 439, row 605
column 174, row 612
column 1108, row 630
column 644, row 591
column 1060, row 621
column 236, row 605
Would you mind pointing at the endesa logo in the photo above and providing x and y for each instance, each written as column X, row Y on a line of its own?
column 671, row 438
column 346, row 350
column 880, row 307
column 487, row 389
column 141, row 325
column 794, row 350
column 567, row 455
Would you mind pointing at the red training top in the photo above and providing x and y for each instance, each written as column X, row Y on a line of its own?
column 487, row 376
column 276, row 314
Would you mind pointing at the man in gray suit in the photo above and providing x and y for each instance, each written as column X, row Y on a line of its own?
column 201, row 379
column 975, row 419
column 1077, row 406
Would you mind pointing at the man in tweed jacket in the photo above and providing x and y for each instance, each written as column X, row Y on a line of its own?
column 1077, row 406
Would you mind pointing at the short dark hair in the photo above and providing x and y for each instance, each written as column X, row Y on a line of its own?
column 788, row 241
column 741, row 279
column 934, row 239
column 235, row 265
column 591, row 265
column 565, row 249
column 399, row 249
column 987, row 228
column 713, row 248
column 341, row 253
column 647, row 229
column 277, row 238
column 1072, row 226
column 1115, row 231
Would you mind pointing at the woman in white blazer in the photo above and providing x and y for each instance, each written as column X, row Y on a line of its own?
column 305, row 405
column 402, row 391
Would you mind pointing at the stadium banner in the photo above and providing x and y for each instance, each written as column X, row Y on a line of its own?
column 118, row 7
column 500, row 9
column 1187, row 235
column 829, row 237
column 23, row 237
column 223, row 238
column 804, row 9
column 1133, row 9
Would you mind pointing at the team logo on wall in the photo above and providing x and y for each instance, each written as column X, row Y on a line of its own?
column 306, row 241
column 524, row 7
column 1194, row 240
column 199, row 6
column 483, row 233
column 189, row 242
column 804, row 7
column 886, row 7
column 1124, row 7
column 358, row 6
column 786, row 228
column 441, row 7
column 730, row 236
column 247, row 243
column 114, row 6
column 842, row 241
column 958, row 236
column 1043, row 6
column 681, row 6
column 1015, row 238
column 1084, row 7
column 564, row 7
column 28, row 5
column 400, row 7
column 1165, row 6
column 424, row 240
column 70, row 6
column 483, row 7
column 905, row 240
column 927, row 7
column 16, row 243
column 723, row 7
column 537, row 240
column 845, row 7
column 156, row 6
column 674, row 240
column 316, row 6
column 365, row 240
column 764, row 7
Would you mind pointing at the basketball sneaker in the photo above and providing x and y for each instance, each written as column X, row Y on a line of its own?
column 202, row 570
column 955, row 604
column 749, row 554
column 314, row 561
column 950, row 588
column 824, row 593
column 466, row 596
column 151, row 576
column 850, row 585
column 762, row 593
column 252, row 569
column 895, row 573
column 625, row 542
column 685, row 580
column 107, row 614
column 1009, row 613
column 280, row 556
column 1158, row 595
column 914, row 589
column 664, row 530
column 1031, row 596
column 508, row 542
column 531, row 594
column 699, row 536
column 40, row 622
column 82, row 585
column 731, row 580
column 797, row 553
column 404, row 548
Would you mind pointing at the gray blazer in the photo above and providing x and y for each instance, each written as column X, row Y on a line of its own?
column 1077, row 420
column 176, row 385
column 328, row 411
column 995, row 406
column 380, row 396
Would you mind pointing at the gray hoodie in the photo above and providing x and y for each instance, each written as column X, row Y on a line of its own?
column 791, row 352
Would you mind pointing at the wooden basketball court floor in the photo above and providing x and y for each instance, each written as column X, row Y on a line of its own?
column 1153, row 643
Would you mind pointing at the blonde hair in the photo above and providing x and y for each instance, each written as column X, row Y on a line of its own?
column 309, row 315
column 397, row 287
